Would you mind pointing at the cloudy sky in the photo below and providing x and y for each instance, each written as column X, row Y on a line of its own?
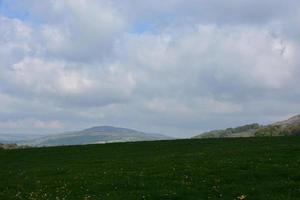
column 177, row 67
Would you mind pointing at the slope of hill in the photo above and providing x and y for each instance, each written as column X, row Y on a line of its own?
column 289, row 127
column 100, row 134
column 241, row 131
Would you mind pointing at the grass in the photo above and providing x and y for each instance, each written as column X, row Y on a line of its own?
column 249, row 168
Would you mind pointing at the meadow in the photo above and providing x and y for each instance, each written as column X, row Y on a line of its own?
column 237, row 168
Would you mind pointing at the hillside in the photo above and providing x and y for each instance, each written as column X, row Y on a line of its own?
column 241, row 131
column 258, row 168
column 289, row 127
column 100, row 134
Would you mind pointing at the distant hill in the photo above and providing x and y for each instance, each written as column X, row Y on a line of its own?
column 289, row 127
column 95, row 135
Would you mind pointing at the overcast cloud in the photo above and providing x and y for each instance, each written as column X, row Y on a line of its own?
column 177, row 67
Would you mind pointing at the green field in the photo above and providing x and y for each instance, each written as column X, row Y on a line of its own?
column 259, row 168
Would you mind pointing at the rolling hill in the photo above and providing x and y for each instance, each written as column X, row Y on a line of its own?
column 94, row 135
column 289, row 127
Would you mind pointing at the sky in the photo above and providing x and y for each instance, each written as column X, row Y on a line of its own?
column 178, row 67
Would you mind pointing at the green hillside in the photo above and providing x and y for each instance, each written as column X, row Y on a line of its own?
column 244, row 168
column 289, row 127
column 241, row 131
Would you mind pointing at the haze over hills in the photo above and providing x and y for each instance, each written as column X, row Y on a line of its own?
column 289, row 127
column 9, row 138
column 94, row 135
column 109, row 134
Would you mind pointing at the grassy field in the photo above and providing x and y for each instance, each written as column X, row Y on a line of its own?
column 258, row 168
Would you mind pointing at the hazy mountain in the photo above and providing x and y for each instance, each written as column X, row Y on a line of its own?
column 100, row 134
column 289, row 127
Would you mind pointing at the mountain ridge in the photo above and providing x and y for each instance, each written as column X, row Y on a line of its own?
column 95, row 135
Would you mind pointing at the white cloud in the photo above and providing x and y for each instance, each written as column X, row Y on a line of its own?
column 192, row 107
column 47, row 125
column 67, row 62
column 233, row 56
column 76, row 30
column 29, row 124
column 39, row 76
column 9, row 125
